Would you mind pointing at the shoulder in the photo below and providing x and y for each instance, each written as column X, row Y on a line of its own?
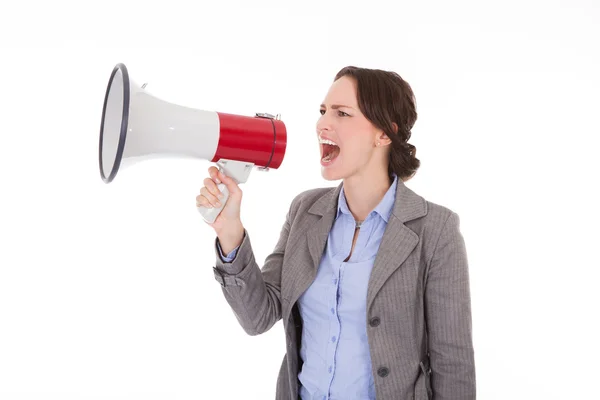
column 432, row 219
column 416, row 210
column 305, row 199
column 438, row 214
column 440, row 225
column 315, row 198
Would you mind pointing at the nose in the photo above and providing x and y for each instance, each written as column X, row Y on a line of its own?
column 324, row 124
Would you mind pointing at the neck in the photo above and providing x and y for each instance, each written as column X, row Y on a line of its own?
column 364, row 192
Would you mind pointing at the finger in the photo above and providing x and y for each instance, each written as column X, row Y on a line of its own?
column 210, row 197
column 212, row 188
column 213, row 172
column 202, row 201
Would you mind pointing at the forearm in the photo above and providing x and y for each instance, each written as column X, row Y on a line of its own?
column 252, row 293
column 231, row 238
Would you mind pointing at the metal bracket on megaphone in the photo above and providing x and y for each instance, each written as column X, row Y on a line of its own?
column 239, row 171
column 269, row 116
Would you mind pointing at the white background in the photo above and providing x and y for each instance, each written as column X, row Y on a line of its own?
column 107, row 291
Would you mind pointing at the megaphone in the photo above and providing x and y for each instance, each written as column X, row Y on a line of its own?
column 138, row 126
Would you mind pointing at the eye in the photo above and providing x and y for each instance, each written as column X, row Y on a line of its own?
column 340, row 113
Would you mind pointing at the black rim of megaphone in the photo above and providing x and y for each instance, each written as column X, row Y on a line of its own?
column 124, row 121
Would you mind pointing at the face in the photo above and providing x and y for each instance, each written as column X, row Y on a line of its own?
column 346, row 138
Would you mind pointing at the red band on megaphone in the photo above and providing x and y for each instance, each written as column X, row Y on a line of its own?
column 258, row 140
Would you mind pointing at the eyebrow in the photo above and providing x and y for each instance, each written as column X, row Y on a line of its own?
column 336, row 106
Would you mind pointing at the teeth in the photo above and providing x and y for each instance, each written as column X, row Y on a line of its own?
column 325, row 141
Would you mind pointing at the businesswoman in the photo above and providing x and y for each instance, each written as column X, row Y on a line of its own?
column 370, row 279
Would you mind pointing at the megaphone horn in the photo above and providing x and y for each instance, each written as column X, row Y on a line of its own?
column 136, row 125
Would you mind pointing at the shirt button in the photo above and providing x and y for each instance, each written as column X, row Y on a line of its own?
column 333, row 338
column 375, row 321
column 383, row 372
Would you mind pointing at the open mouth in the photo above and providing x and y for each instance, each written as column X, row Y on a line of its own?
column 329, row 151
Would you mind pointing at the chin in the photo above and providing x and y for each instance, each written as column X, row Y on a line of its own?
column 328, row 177
column 329, row 174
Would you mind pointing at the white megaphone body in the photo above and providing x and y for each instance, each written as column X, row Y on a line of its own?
column 137, row 126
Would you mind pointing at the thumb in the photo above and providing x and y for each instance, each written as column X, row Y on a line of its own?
column 232, row 186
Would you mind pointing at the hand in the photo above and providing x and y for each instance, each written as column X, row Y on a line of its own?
column 228, row 222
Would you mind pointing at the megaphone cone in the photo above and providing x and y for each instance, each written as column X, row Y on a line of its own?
column 137, row 126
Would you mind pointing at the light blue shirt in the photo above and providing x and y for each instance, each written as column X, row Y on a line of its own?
column 334, row 346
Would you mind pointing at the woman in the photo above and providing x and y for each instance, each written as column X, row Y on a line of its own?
column 371, row 280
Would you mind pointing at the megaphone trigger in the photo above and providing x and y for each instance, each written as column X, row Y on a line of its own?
column 239, row 171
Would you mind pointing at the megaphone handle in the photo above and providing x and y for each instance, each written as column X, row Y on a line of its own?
column 236, row 170
column 211, row 214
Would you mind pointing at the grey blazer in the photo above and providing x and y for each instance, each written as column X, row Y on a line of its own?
column 418, row 300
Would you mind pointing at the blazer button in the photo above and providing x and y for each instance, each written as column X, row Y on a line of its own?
column 383, row 372
column 375, row 321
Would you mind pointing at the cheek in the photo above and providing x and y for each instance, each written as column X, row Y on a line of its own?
column 355, row 136
column 356, row 151
column 359, row 130
column 357, row 139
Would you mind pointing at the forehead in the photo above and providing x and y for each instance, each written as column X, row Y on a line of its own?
column 342, row 91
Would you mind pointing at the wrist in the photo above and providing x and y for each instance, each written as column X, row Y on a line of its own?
column 231, row 238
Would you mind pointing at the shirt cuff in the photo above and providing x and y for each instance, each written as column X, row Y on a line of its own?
column 229, row 257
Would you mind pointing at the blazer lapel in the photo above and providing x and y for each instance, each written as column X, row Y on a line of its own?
column 326, row 208
column 398, row 240
column 317, row 226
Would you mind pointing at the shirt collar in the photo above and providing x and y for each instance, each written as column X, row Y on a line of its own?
column 384, row 208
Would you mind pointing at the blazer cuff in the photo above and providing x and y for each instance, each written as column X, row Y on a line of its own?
column 243, row 257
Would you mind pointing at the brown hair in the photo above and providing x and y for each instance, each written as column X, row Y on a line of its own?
column 385, row 98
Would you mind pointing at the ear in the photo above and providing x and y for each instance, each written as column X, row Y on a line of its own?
column 383, row 139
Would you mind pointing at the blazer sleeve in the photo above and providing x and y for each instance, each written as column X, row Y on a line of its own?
column 448, row 315
column 254, row 293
